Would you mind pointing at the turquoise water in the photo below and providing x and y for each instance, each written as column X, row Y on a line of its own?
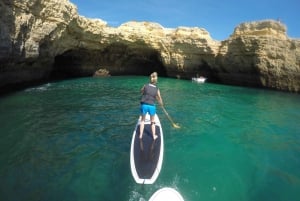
column 70, row 140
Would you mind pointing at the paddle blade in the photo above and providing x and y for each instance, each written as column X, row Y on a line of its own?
column 176, row 126
column 170, row 119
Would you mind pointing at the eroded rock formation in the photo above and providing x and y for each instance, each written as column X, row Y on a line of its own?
column 260, row 54
column 44, row 39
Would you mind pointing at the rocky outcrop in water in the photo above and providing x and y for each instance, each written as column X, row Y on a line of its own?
column 48, row 39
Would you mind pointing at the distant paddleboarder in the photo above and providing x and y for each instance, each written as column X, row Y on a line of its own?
column 150, row 93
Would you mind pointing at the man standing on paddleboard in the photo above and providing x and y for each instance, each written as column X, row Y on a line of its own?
column 150, row 93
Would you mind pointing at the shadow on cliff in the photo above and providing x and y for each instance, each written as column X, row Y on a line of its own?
column 18, row 70
column 239, row 65
column 117, row 58
column 7, row 44
column 198, row 65
column 11, row 51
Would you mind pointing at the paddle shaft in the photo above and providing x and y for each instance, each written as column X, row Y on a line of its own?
column 168, row 116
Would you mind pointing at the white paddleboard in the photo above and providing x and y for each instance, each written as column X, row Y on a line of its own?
column 166, row 194
column 146, row 154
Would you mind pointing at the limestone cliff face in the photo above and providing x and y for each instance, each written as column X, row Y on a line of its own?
column 260, row 54
column 27, row 28
column 41, row 39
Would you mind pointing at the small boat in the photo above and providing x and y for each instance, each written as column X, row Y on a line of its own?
column 199, row 79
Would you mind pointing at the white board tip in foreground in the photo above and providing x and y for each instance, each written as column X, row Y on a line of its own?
column 166, row 194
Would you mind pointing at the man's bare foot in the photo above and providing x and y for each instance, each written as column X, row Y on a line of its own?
column 155, row 137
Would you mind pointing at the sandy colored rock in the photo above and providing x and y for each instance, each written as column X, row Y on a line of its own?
column 41, row 39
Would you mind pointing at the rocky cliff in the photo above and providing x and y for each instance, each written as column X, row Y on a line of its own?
column 260, row 54
column 40, row 40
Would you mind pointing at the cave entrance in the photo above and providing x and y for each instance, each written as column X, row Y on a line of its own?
column 118, row 59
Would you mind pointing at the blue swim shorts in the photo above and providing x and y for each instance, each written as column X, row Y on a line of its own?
column 151, row 109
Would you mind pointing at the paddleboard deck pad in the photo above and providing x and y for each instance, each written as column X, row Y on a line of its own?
column 166, row 194
column 146, row 154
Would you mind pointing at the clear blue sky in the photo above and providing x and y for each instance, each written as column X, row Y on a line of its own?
column 218, row 17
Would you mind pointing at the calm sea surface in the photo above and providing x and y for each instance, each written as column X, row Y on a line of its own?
column 70, row 141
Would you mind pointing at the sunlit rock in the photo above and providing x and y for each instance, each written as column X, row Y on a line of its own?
column 40, row 40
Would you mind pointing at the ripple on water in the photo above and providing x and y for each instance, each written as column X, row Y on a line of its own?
column 70, row 140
